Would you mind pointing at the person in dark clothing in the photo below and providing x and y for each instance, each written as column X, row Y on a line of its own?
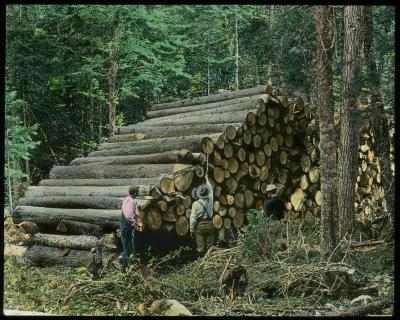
column 273, row 206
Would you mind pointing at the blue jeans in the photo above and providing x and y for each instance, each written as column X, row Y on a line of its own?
column 127, row 237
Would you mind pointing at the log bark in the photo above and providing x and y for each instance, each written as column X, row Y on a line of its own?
column 102, row 171
column 119, row 145
column 204, row 106
column 83, row 228
column 77, row 202
column 69, row 191
column 211, row 98
column 80, row 242
column 192, row 143
column 100, row 182
column 367, row 309
column 49, row 256
column 126, row 133
column 173, row 156
column 235, row 116
column 243, row 106
column 51, row 217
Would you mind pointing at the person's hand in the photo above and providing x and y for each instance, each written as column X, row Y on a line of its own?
column 206, row 177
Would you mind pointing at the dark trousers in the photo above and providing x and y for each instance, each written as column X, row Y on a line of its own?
column 127, row 237
column 204, row 235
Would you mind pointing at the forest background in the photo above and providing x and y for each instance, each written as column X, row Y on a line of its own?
column 67, row 65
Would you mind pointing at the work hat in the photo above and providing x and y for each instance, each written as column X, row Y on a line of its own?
column 271, row 187
column 202, row 191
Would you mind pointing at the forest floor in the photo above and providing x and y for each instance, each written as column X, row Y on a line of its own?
column 293, row 283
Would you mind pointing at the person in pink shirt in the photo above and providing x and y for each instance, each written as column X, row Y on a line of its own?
column 128, row 224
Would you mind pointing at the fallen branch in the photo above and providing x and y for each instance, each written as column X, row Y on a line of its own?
column 363, row 310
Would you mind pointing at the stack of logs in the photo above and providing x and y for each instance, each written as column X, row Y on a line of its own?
column 244, row 140
column 163, row 152
column 276, row 144
column 369, row 189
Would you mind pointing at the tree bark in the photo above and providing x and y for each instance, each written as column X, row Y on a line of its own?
column 347, row 161
column 100, row 182
column 130, row 133
column 243, row 106
column 80, row 242
column 112, row 75
column 382, row 127
column 49, row 256
column 235, row 116
column 211, row 98
column 51, row 217
column 173, row 156
column 203, row 107
column 83, row 228
column 367, row 309
column 99, row 170
column 193, row 143
column 327, row 143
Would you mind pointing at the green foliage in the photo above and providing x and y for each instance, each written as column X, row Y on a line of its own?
column 261, row 237
column 58, row 59
column 18, row 143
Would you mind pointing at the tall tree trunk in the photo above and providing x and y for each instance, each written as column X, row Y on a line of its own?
column 27, row 167
column 383, row 136
column 327, row 142
column 208, row 63
column 347, row 163
column 269, row 70
column 112, row 74
column 237, row 53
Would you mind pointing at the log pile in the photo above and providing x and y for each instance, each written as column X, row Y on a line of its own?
column 249, row 139
column 162, row 156
column 369, row 189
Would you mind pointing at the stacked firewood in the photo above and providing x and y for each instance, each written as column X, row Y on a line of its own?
column 369, row 189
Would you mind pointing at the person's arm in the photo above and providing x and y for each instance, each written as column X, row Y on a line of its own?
column 210, row 192
column 193, row 218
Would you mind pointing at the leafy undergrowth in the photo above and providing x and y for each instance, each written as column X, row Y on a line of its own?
column 293, row 284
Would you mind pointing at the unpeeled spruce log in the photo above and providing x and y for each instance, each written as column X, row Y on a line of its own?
column 193, row 143
column 213, row 98
column 139, row 132
column 173, row 111
column 235, row 116
column 80, row 242
column 100, row 191
column 100, row 170
column 51, row 217
column 100, row 182
column 83, row 228
column 77, row 202
column 243, row 106
column 42, row 256
column 154, row 158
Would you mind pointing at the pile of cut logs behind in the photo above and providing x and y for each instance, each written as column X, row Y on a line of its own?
column 252, row 138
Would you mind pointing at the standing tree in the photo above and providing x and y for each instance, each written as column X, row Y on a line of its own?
column 327, row 143
column 112, row 75
column 347, row 164
column 382, row 125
